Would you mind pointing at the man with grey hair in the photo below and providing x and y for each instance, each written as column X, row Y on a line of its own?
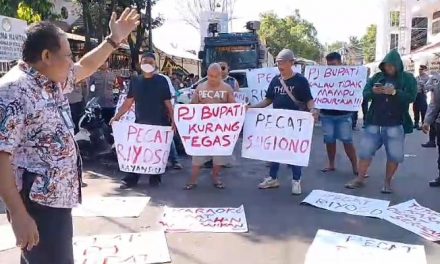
column 40, row 172
column 290, row 91
column 213, row 91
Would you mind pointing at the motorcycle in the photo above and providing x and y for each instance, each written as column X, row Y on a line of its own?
column 95, row 138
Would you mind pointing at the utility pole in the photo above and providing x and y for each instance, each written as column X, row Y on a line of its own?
column 150, row 30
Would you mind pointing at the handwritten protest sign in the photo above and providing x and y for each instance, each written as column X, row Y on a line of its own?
column 139, row 248
column 415, row 218
column 243, row 96
column 7, row 237
column 278, row 135
column 142, row 149
column 337, row 87
column 336, row 248
column 111, row 207
column 130, row 115
column 209, row 130
column 343, row 203
column 259, row 80
column 216, row 220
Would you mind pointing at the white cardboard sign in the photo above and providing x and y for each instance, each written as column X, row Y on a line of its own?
column 111, row 207
column 142, row 149
column 136, row 248
column 336, row 248
column 130, row 116
column 415, row 218
column 343, row 203
column 7, row 237
column 215, row 220
column 337, row 87
column 259, row 80
column 209, row 129
column 278, row 135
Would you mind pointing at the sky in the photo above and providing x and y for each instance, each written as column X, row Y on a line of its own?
column 334, row 19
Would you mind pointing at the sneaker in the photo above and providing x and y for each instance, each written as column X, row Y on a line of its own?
column 177, row 166
column 429, row 144
column 269, row 183
column 435, row 183
column 296, row 187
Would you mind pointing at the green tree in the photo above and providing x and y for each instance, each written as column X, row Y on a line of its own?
column 368, row 42
column 96, row 15
column 336, row 46
column 29, row 10
column 292, row 32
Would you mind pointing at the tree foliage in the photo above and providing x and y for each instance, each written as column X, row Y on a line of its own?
column 336, row 46
column 191, row 9
column 96, row 15
column 292, row 32
column 369, row 44
column 29, row 10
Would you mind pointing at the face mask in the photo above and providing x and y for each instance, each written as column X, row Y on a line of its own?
column 147, row 68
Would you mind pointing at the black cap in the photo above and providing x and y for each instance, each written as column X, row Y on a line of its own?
column 423, row 67
column 149, row 54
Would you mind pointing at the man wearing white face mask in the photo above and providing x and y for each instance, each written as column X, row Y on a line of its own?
column 151, row 94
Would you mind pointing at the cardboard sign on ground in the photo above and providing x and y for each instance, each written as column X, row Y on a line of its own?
column 335, row 248
column 354, row 205
column 135, row 248
column 111, row 207
column 415, row 218
column 216, row 220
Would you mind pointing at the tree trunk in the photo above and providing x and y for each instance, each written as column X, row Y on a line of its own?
column 86, row 15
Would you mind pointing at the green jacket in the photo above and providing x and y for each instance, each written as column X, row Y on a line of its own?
column 406, row 89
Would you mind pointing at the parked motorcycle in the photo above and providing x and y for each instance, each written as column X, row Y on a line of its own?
column 95, row 138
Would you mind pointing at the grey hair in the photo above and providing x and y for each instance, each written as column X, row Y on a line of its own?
column 215, row 67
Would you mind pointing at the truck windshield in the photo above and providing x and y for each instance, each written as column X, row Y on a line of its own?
column 238, row 57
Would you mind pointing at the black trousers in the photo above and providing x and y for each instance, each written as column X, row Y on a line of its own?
column 364, row 109
column 108, row 113
column 55, row 229
column 132, row 179
column 433, row 133
column 419, row 108
column 77, row 110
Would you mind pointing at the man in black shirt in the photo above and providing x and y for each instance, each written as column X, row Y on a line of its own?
column 337, row 125
column 151, row 94
column 301, row 99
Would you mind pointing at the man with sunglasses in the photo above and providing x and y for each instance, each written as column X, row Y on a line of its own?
column 228, row 79
column 40, row 172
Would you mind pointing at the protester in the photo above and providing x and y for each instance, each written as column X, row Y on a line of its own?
column 104, row 81
column 77, row 102
column 390, row 92
column 426, row 81
column 173, row 157
column 228, row 79
column 433, row 119
column 213, row 91
column 337, row 125
column 289, row 91
column 37, row 148
column 421, row 103
column 150, row 92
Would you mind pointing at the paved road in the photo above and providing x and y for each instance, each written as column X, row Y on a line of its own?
column 280, row 228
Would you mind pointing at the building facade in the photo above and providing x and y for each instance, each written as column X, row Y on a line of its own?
column 407, row 25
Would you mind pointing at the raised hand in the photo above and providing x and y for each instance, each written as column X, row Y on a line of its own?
column 122, row 27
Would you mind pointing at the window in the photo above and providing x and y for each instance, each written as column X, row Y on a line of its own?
column 394, row 18
column 436, row 23
column 419, row 32
column 394, row 42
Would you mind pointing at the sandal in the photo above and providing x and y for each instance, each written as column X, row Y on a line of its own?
column 386, row 190
column 325, row 170
column 355, row 184
column 190, row 186
column 219, row 185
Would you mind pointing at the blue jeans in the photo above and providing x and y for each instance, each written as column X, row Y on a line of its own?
column 374, row 137
column 337, row 127
column 173, row 153
column 274, row 167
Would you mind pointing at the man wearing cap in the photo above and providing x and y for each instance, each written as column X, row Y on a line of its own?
column 152, row 97
column 298, row 98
